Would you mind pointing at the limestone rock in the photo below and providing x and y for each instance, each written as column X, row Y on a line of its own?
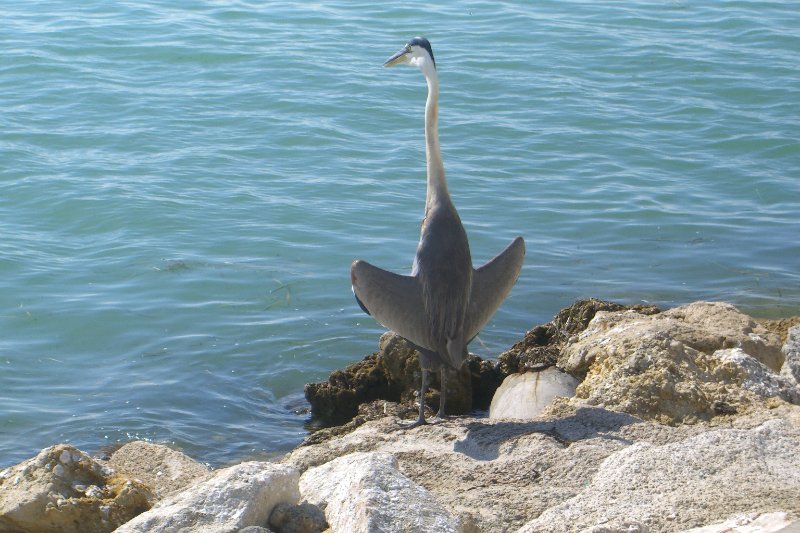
column 663, row 367
column 64, row 490
column 366, row 412
column 542, row 345
column 393, row 374
column 524, row 396
column 233, row 498
column 716, row 472
column 735, row 366
column 494, row 475
column 791, row 354
column 752, row 523
column 163, row 469
column 710, row 326
column 582, row 464
column 366, row 492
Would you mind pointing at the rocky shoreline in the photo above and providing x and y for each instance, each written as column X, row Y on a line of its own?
column 649, row 421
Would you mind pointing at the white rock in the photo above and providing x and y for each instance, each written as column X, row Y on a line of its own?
column 524, row 396
column 749, row 523
column 234, row 498
column 791, row 354
column 93, row 491
column 366, row 492
column 718, row 470
column 758, row 378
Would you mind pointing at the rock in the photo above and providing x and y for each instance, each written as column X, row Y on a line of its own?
column 401, row 362
column 366, row 412
column 750, row 523
column 791, row 354
column 233, row 498
column 781, row 326
column 735, row 366
column 391, row 374
column 716, row 472
column 541, row 345
column 254, row 529
column 336, row 401
column 710, row 326
column 486, row 378
column 665, row 367
column 64, row 490
column 585, row 468
column 366, row 492
column 303, row 518
column 524, row 396
column 702, row 326
column 163, row 469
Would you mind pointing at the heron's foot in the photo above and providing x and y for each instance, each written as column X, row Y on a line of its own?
column 420, row 421
column 440, row 417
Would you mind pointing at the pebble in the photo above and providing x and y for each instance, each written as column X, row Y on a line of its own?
column 94, row 492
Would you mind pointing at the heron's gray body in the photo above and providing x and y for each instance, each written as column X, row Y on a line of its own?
column 445, row 302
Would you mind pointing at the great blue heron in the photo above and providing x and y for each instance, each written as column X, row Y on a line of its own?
column 445, row 302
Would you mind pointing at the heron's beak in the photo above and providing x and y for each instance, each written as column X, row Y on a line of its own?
column 398, row 58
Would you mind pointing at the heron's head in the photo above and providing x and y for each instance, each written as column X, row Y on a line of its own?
column 417, row 52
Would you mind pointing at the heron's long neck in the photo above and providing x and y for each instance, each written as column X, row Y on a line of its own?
column 437, row 185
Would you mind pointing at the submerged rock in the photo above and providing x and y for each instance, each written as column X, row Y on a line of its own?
column 63, row 490
column 524, row 396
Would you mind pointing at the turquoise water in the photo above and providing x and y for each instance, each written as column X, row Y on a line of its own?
column 184, row 185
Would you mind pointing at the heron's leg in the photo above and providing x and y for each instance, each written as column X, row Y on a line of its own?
column 421, row 418
column 443, row 377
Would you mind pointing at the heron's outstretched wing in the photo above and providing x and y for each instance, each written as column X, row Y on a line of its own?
column 393, row 300
column 491, row 283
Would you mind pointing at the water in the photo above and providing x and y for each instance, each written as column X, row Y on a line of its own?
column 184, row 185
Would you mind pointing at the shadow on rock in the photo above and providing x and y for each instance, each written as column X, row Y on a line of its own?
column 485, row 438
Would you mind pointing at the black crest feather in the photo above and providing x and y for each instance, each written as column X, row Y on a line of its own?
column 424, row 43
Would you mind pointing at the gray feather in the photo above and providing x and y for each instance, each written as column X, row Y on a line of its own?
column 491, row 283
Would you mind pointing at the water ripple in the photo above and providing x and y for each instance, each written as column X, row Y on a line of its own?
column 184, row 186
